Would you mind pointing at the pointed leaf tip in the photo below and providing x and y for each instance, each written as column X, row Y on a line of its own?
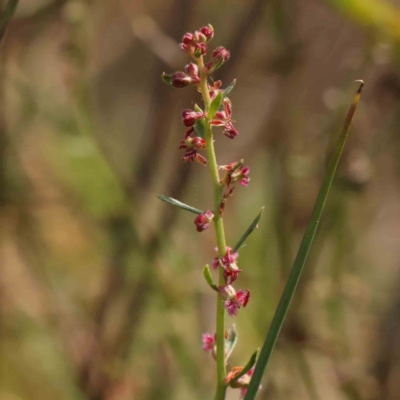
column 248, row 366
column 229, row 89
column 250, row 229
column 179, row 204
column 208, row 278
column 215, row 105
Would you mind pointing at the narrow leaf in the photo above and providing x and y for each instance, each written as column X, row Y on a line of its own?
column 208, row 278
column 228, row 89
column 301, row 257
column 200, row 127
column 179, row 204
column 247, row 367
column 230, row 342
column 215, row 105
column 250, row 229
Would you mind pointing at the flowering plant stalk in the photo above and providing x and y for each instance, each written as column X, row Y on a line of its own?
column 199, row 136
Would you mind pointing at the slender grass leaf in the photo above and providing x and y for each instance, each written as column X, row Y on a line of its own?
column 247, row 367
column 208, row 278
column 215, row 105
column 230, row 342
column 228, row 89
column 250, row 229
column 179, row 204
column 301, row 257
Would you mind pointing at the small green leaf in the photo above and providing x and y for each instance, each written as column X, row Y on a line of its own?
column 166, row 78
column 228, row 89
column 215, row 105
column 250, row 229
column 302, row 254
column 200, row 127
column 231, row 341
column 179, row 204
column 247, row 367
column 208, row 278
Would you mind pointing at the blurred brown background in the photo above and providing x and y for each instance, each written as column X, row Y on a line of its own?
column 102, row 296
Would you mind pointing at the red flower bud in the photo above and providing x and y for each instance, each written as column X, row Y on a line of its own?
column 193, row 155
column 220, row 53
column 200, row 159
column 189, row 117
column 180, row 80
column 187, row 38
column 193, row 143
column 203, row 221
column 218, row 57
column 207, row 31
column 193, row 70
column 199, row 37
column 230, row 131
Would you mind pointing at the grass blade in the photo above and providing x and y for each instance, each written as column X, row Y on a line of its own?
column 250, row 229
column 301, row 257
column 179, row 204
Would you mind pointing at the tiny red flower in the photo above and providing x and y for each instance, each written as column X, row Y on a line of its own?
column 187, row 38
column 214, row 89
column 219, row 56
column 193, row 142
column 228, row 261
column 234, row 300
column 207, row 31
column 190, row 117
column 199, row 37
column 193, row 70
column 234, row 172
column 203, row 221
column 208, row 342
column 180, row 79
column 193, row 155
column 224, row 118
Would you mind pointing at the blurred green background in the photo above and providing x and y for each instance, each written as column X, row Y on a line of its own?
column 101, row 289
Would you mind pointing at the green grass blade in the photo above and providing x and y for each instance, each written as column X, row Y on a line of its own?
column 250, row 229
column 301, row 257
column 179, row 204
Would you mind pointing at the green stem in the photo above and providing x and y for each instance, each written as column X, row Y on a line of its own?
column 220, row 234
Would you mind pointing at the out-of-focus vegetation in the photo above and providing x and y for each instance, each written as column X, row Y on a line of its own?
column 102, row 295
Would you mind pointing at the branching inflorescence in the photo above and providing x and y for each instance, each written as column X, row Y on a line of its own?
column 198, row 138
